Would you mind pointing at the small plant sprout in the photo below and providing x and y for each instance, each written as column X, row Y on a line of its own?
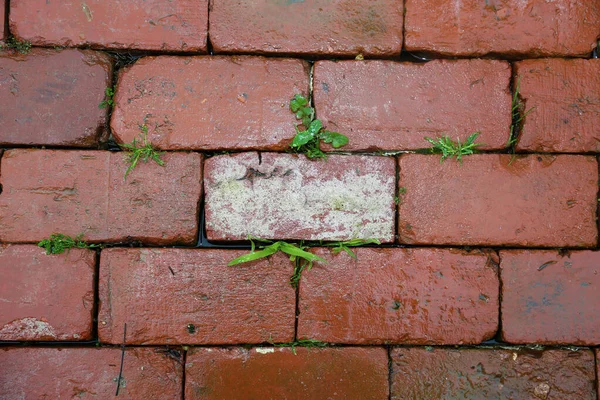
column 145, row 152
column 345, row 246
column 307, row 141
column 59, row 243
column 448, row 148
column 292, row 250
column 22, row 46
column 518, row 114
column 108, row 100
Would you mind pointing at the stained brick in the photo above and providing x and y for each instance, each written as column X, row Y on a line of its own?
column 418, row 296
column 430, row 374
column 261, row 373
column 549, row 299
column 51, row 97
column 191, row 296
column 84, row 192
column 564, row 98
column 510, row 27
column 386, row 105
column 284, row 196
column 55, row 373
column 210, row 102
column 536, row 200
column 46, row 297
column 176, row 25
column 311, row 27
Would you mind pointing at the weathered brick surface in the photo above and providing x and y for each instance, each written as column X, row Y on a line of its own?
column 261, row 373
column 160, row 293
column 284, row 196
column 537, row 200
column 54, row 373
column 393, row 106
column 314, row 27
column 564, row 95
column 176, row 25
column 418, row 296
column 210, row 102
column 46, row 297
column 83, row 192
column 530, row 28
column 550, row 299
column 424, row 374
column 2, row 18
column 51, row 97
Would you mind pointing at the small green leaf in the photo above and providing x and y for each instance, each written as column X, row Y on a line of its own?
column 267, row 251
column 298, row 102
column 315, row 127
column 337, row 140
column 302, row 138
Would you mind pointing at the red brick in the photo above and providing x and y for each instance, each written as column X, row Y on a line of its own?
column 68, row 373
column 515, row 28
column 278, row 373
column 175, row 25
column 311, row 27
column 563, row 95
column 535, row 201
column 84, row 192
column 51, row 97
column 46, row 297
column 555, row 305
column 492, row 374
column 2, row 18
column 386, row 105
column 160, row 292
column 417, row 296
column 284, row 196
column 210, row 102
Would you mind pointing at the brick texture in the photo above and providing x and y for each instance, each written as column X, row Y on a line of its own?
column 417, row 296
column 51, row 97
column 84, row 192
column 210, row 102
column 177, row 25
column 564, row 95
column 537, row 200
column 284, row 196
column 46, row 297
column 2, row 19
column 310, row 27
column 386, row 105
column 515, row 28
column 261, row 373
column 492, row 374
column 191, row 296
column 556, row 304
column 42, row 373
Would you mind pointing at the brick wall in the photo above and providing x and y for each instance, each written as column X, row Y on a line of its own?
column 479, row 278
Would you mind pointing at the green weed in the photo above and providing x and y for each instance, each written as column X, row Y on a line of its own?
column 308, row 140
column 345, row 246
column 59, row 243
column 22, row 46
column 295, row 252
column 518, row 114
column 301, row 343
column 448, row 148
column 144, row 153
column 108, row 101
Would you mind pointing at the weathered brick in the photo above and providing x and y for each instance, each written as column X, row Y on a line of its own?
column 311, row 27
column 495, row 199
column 46, row 297
column 191, row 296
column 564, row 98
column 550, row 299
column 175, row 25
column 261, row 373
column 417, row 296
column 210, row 102
column 67, row 373
column 285, row 196
column 84, row 192
column 387, row 105
column 51, row 97
column 429, row 374
column 514, row 28
column 2, row 18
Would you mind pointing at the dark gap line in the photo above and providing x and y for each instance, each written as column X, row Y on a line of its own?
column 6, row 19
column 297, row 305
column 390, row 371
column 598, row 204
column 209, row 45
column 498, row 336
column 183, row 371
column 96, row 307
